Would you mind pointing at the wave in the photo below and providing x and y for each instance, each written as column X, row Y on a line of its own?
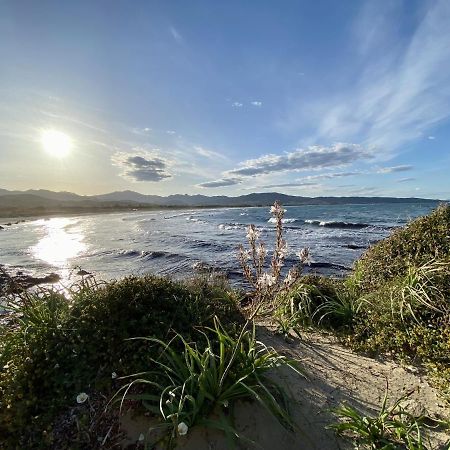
column 328, row 265
column 195, row 219
column 274, row 220
column 232, row 226
column 338, row 224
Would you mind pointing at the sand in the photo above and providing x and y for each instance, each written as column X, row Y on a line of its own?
column 333, row 374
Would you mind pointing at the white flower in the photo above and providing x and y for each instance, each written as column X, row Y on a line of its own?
column 225, row 403
column 141, row 437
column 252, row 233
column 304, row 256
column 283, row 250
column 261, row 251
column 114, row 375
column 82, row 397
column 182, row 429
column 244, row 254
column 290, row 277
column 266, row 280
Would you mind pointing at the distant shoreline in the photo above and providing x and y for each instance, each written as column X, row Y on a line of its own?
column 12, row 214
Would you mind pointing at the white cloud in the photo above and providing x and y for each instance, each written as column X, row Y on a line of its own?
column 237, row 104
column 220, row 183
column 176, row 34
column 310, row 158
column 403, row 89
column 394, row 169
column 142, row 166
column 256, row 103
column 210, row 154
column 431, row 138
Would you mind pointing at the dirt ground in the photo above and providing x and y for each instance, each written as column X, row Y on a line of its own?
column 334, row 374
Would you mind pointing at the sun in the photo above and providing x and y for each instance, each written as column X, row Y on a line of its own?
column 56, row 143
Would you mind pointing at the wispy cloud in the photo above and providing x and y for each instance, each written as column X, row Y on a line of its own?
column 431, row 138
column 176, row 34
column 220, row 183
column 393, row 169
column 256, row 103
column 210, row 154
column 237, row 104
column 405, row 180
column 310, row 158
column 293, row 184
column 402, row 89
column 142, row 166
column 311, row 180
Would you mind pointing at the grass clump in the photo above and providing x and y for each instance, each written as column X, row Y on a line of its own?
column 392, row 428
column 315, row 301
column 201, row 385
column 57, row 347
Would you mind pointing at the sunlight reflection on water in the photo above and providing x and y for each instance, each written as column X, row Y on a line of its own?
column 61, row 242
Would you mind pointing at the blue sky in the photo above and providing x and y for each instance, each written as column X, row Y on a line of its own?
column 162, row 97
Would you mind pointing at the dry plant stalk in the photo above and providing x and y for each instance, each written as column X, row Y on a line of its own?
column 267, row 284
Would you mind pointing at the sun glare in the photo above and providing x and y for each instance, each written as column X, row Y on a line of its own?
column 56, row 143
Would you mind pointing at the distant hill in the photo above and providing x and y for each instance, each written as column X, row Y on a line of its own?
column 35, row 202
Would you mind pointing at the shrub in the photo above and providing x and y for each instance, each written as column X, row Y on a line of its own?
column 57, row 347
column 421, row 241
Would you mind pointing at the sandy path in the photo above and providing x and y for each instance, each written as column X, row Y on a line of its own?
column 334, row 374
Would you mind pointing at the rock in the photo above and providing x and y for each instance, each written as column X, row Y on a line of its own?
column 82, row 272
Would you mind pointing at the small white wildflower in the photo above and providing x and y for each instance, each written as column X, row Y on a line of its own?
column 141, row 437
column 82, row 397
column 304, row 256
column 283, row 250
column 289, row 278
column 182, row 429
column 275, row 208
column 252, row 233
column 225, row 403
column 261, row 251
column 171, row 394
column 114, row 375
column 266, row 280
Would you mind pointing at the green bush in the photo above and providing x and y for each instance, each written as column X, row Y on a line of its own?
column 57, row 347
column 423, row 240
column 316, row 301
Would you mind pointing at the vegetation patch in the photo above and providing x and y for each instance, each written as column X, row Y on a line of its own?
column 392, row 428
column 59, row 346
column 421, row 241
column 396, row 301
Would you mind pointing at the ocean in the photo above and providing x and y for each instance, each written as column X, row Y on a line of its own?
column 179, row 243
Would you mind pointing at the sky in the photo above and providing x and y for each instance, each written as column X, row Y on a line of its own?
column 305, row 97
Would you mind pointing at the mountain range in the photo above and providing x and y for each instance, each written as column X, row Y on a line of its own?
column 40, row 201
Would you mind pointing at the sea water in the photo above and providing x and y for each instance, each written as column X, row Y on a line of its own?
column 178, row 243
